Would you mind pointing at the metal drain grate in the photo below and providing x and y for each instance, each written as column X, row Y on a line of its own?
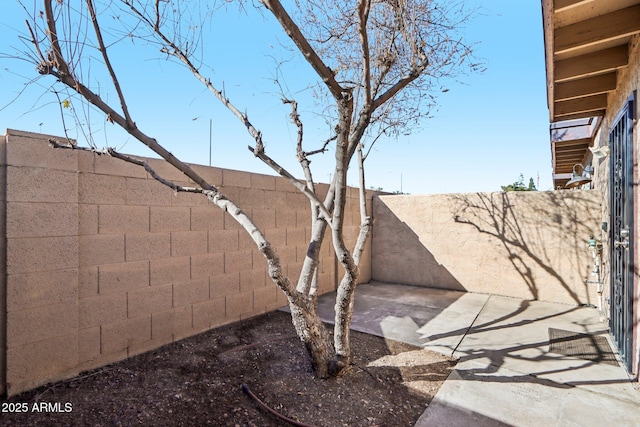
column 594, row 348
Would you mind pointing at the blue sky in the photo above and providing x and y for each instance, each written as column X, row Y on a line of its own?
column 486, row 131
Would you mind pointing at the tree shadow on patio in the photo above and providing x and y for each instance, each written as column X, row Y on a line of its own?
column 524, row 224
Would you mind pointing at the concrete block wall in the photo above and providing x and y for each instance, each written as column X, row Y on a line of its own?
column 530, row 245
column 41, row 261
column 103, row 262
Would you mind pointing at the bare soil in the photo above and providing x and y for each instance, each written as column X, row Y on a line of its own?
column 198, row 381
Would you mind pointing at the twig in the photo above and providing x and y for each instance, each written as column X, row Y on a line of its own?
column 71, row 146
column 324, row 147
column 43, row 61
column 107, row 62
column 153, row 173
column 113, row 153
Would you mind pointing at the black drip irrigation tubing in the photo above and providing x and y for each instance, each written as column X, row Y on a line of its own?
column 246, row 389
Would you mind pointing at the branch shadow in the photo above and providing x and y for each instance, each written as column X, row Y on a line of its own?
column 501, row 342
column 531, row 359
column 541, row 230
column 543, row 238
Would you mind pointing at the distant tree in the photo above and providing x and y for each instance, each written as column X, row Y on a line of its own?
column 519, row 185
column 376, row 66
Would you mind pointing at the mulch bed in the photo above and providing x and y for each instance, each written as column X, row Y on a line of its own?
column 198, row 381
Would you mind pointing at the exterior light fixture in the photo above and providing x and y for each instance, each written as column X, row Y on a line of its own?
column 579, row 179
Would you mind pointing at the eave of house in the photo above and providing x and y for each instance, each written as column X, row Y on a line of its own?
column 586, row 43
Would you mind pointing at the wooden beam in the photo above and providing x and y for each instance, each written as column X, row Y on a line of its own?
column 562, row 156
column 565, row 152
column 568, row 164
column 611, row 26
column 570, row 148
column 579, row 105
column 587, row 86
column 547, row 24
column 572, row 155
column 570, row 161
column 600, row 62
column 573, row 142
column 566, row 168
column 583, row 115
column 561, row 5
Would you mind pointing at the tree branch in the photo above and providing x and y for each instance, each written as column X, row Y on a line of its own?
column 218, row 199
column 300, row 186
column 54, row 56
column 401, row 83
column 153, row 173
column 308, row 278
column 293, row 31
column 107, row 62
column 258, row 150
column 302, row 156
column 324, row 147
column 35, row 43
column 364, row 7
column 175, row 51
column 57, row 66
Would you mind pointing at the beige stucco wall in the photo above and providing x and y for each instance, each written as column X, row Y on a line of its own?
column 103, row 262
column 628, row 82
column 531, row 245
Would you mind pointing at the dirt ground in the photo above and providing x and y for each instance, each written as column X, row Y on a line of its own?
column 198, row 381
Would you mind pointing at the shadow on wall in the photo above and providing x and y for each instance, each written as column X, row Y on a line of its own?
column 401, row 256
column 528, row 245
column 544, row 235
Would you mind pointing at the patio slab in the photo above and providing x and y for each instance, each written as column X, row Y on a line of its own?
column 430, row 318
column 506, row 375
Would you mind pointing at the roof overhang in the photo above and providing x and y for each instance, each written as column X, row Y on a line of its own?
column 586, row 43
column 570, row 142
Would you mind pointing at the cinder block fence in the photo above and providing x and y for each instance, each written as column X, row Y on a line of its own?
column 102, row 262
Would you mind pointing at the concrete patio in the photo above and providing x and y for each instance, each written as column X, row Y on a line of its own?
column 506, row 374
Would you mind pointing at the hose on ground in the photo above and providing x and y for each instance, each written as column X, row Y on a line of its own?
column 246, row 389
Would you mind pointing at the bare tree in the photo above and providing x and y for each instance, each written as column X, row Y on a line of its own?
column 377, row 65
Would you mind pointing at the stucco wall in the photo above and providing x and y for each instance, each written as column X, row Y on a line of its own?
column 103, row 262
column 628, row 82
column 531, row 245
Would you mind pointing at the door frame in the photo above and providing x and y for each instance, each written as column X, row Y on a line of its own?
column 622, row 305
